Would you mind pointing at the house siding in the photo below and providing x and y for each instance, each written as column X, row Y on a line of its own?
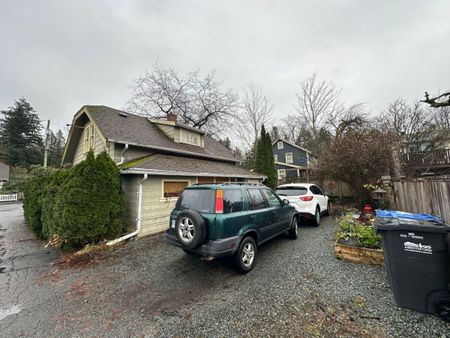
column 99, row 146
column 156, row 209
column 131, row 153
column 130, row 188
column 299, row 156
column 168, row 130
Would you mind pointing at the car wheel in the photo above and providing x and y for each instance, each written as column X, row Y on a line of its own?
column 293, row 231
column 317, row 217
column 190, row 228
column 245, row 258
column 328, row 212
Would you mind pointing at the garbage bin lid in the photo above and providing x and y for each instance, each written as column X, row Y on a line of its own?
column 399, row 220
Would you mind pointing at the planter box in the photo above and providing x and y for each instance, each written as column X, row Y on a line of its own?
column 359, row 254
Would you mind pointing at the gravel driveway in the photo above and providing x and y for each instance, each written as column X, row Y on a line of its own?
column 148, row 288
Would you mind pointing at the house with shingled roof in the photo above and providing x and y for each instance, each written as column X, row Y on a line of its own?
column 157, row 158
column 4, row 173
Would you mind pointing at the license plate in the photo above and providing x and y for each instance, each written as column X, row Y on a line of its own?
column 172, row 224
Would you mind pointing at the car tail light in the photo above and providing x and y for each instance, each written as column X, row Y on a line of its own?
column 219, row 201
column 306, row 198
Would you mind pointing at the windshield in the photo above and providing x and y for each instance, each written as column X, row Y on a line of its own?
column 291, row 191
column 201, row 200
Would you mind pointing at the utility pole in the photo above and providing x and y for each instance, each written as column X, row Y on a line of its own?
column 47, row 137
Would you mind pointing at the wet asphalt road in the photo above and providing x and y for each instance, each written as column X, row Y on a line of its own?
column 148, row 288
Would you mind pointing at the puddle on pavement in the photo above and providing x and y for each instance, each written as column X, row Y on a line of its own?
column 8, row 311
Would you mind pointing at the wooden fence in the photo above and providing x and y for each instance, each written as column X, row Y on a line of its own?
column 424, row 196
column 8, row 198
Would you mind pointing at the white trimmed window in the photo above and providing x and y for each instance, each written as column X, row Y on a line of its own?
column 289, row 158
column 281, row 173
column 280, row 144
column 89, row 137
column 275, row 158
column 173, row 189
column 190, row 138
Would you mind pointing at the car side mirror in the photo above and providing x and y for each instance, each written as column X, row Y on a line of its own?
column 285, row 202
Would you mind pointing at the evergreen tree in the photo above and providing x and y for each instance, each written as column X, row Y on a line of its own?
column 270, row 164
column 226, row 142
column 249, row 158
column 264, row 163
column 56, row 148
column 89, row 206
column 20, row 135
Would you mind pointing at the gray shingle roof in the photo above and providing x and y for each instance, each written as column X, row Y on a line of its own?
column 4, row 172
column 138, row 130
column 186, row 166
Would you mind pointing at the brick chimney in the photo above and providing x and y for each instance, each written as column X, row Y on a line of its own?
column 172, row 117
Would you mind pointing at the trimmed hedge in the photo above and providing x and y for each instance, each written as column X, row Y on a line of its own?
column 79, row 206
column 32, row 204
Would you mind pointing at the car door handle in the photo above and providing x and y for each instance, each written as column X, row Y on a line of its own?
column 253, row 216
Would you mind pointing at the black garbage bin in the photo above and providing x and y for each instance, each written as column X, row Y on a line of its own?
column 416, row 259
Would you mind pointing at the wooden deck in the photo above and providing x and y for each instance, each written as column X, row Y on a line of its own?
column 436, row 159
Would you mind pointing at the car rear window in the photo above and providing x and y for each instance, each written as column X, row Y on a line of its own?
column 291, row 191
column 201, row 200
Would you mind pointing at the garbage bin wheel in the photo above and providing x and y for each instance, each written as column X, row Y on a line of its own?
column 443, row 310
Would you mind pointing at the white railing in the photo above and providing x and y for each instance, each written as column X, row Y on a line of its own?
column 8, row 198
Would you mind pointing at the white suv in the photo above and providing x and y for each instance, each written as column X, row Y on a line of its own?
column 307, row 198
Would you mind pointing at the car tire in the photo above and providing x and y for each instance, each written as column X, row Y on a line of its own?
column 328, row 212
column 293, row 231
column 317, row 217
column 245, row 257
column 190, row 228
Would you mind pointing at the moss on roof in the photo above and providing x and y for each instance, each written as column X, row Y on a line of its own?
column 134, row 162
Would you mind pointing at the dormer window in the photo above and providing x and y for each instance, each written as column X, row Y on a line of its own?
column 189, row 137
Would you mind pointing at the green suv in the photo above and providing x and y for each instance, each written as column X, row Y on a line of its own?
column 216, row 220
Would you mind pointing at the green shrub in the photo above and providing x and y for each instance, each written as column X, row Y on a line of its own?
column 32, row 204
column 89, row 205
column 34, row 187
column 355, row 231
column 51, row 190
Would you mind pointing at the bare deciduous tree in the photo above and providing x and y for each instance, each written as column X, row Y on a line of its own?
column 415, row 133
column 198, row 101
column 317, row 104
column 442, row 100
column 255, row 112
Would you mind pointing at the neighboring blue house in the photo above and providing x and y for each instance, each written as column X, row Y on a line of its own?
column 292, row 162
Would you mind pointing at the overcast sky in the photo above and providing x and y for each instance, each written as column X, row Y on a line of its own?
column 60, row 55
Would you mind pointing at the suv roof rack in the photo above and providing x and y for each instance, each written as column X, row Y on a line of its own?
column 241, row 183
column 228, row 183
